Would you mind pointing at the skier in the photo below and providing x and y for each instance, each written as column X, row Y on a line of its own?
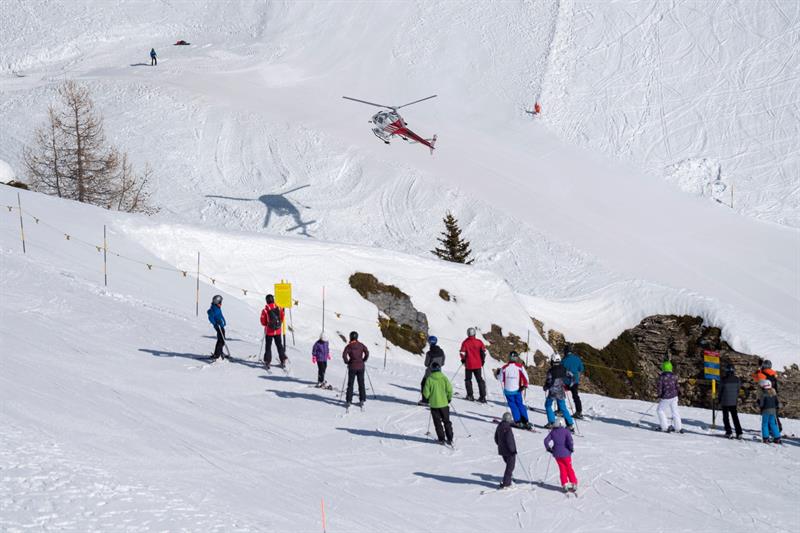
column 439, row 392
column 769, row 409
column 272, row 320
column 728, row 396
column 320, row 355
column 218, row 321
column 514, row 379
column 668, row 398
column 434, row 355
column 153, row 58
column 355, row 355
column 766, row 372
column 559, row 443
column 554, row 386
column 574, row 366
column 473, row 355
column 506, row 447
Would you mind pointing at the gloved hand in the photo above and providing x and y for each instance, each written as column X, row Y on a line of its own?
column 314, row 359
column 496, row 372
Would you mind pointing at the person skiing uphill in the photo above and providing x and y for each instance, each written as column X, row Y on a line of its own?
column 434, row 355
column 153, row 58
column 554, row 385
column 769, row 407
column 355, row 355
column 272, row 320
column 574, row 367
column 218, row 321
column 473, row 355
column 514, row 379
column 320, row 355
column 728, row 397
column 559, row 443
column 439, row 392
column 668, row 398
column 506, row 447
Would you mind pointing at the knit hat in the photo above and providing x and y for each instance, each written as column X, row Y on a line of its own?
column 435, row 366
column 666, row 366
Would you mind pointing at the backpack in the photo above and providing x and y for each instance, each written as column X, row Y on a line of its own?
column 274, row 318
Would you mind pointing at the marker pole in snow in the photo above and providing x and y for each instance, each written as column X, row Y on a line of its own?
column 527, row 347
column 385, row 350
column 197, row 289
column 323, row 308
column 21, row 226
column 105, row 257
column 291, row 327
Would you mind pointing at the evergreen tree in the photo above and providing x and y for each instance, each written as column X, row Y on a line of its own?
column 454, row 248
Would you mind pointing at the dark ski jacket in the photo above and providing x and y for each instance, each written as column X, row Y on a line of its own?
column 215, row 316
column 768, row 402
column 152, row 52
column 434, row 355
column 355, row 355
column 554, row 382
column 729, row 387
column 504, row 438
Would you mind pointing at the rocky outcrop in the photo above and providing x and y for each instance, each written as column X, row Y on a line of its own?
column 628, row 366
column 401, row 323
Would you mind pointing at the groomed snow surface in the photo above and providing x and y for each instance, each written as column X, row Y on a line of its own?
column 111, row 423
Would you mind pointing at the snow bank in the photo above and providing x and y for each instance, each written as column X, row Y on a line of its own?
column 6, row 172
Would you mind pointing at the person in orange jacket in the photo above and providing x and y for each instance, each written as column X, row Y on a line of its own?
column 272, row 319
column 473, row 355
column 767, row 373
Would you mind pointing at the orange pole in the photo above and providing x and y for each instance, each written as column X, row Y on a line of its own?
column 322, row 505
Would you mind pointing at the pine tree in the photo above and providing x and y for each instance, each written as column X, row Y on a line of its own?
column 454, row 248
column 70, row 158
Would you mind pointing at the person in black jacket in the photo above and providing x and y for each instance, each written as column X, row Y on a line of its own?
column 506, row 447
column 434, row 355
column 728, row 397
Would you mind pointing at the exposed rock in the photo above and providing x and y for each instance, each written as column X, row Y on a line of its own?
column 444, row 295
column 402, row 324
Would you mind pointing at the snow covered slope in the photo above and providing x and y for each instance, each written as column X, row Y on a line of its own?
column 247, row 131
column 110, row 423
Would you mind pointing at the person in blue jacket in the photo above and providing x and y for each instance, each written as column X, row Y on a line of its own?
column 574, row 366
column 218, row 321
column 153, row 57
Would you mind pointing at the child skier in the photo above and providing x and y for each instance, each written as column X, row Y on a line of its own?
column 439, row 393
column 668, row 399
column 769, row 407
column 559, row 443
column 320, row 355
column 218, row 321
column 506, row 447
column 554, row 385
column 514, row 380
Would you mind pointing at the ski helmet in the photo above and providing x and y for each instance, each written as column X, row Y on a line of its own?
column 508, row 417
column 270, row 299
column 323, row 337
column 765, row 384
column 766, row 364
column 353, row 335
column 666, row 366
column 560, row 422
column 432, row 340
column 513, row 356
column 729, row 370
column 471, row 332
column 216, row 300
column 555, row 358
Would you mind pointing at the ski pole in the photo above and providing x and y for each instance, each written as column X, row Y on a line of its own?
column 574, row 420
column 261, row 345
column 374, row 397
column 456, row 372
column 639, row 423
column 341, row 389
column 430, row 416
column 225, row 342
column 528, row 471
column 547, row 471
column 462, row 422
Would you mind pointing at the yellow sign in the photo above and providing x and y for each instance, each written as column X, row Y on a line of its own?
column 283, row 294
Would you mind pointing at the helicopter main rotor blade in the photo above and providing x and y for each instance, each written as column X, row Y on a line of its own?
column 415, row 102
column 365, row 102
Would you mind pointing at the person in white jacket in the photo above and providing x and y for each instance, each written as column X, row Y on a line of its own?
column 514, row 379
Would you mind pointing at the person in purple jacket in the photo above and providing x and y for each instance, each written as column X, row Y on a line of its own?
column 559, row 443
column 321, row 354
column 668, row 399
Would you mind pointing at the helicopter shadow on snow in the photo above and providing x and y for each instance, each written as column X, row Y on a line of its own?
column 280, row 206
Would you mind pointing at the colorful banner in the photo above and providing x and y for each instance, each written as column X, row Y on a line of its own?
column 711, row 365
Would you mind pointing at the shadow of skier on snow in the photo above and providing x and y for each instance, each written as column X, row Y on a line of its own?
column 289, row 395
column 197, row 357
column 496, row 480
column 384, row 435
column 456, row 480
column 280, row 206
column 284, row 377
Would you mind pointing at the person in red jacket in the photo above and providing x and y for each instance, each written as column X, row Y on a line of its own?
column 473, row 355
column 272, row 320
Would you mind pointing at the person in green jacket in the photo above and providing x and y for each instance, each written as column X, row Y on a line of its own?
column 439, row 391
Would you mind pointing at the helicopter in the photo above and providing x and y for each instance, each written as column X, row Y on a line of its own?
column 388, row 123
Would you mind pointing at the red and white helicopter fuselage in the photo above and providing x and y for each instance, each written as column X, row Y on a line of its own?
column 390, row 123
